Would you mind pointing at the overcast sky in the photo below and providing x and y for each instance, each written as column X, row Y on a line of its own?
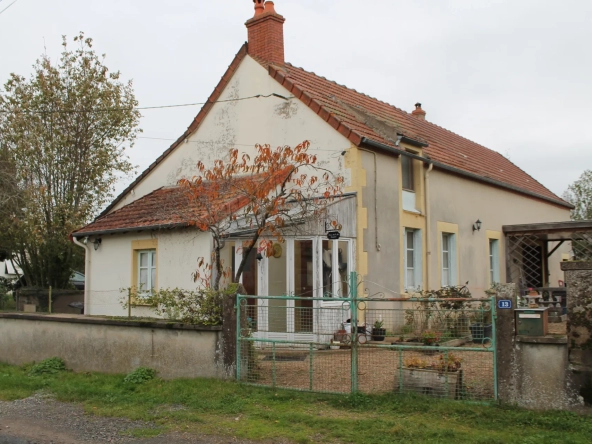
column 513, row 75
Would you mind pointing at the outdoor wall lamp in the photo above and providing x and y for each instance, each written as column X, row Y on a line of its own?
column 259, row 256
column 477, row 226
column 97, row 243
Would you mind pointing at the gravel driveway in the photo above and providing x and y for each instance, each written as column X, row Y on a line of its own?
column 42, row 420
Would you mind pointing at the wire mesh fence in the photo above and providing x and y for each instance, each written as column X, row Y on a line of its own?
column 437, row 347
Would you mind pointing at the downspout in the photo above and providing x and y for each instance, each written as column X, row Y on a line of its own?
column 427, row 215
column 378, row 246
column 86, row 273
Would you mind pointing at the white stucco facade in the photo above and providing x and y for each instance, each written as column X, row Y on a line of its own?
column 110, row 268
column 242, row 124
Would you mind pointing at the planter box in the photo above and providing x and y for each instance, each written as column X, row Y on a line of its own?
column 431, row 382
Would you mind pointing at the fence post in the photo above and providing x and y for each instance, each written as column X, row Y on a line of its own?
column 504, row 334
column 129, row 303
column 238, row 343
column 494, row 343
column 353, row 284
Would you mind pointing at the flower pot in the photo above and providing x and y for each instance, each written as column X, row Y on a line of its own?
column 480, row 331
column 378, row 334
column 431, row 382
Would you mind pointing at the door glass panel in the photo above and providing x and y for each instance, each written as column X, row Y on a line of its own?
column 250, row 283
column 278, row 286
column 328, row 269
column 303, row 285
column 343, row 267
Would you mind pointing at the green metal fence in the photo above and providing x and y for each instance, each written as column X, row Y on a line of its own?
column 438, row 347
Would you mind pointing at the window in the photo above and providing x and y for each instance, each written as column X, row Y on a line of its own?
column 146, row 271
column 494, row 269
column 448, row 260
column 407, row 171
column 413, row 262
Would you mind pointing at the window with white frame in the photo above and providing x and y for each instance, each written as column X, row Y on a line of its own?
column 413, row 260
column 494, row 267
column 449, row 259
column 146, row 272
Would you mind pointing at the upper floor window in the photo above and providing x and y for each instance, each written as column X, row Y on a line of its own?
column 407, row 171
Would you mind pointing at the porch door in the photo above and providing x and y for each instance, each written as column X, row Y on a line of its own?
column 292, row 271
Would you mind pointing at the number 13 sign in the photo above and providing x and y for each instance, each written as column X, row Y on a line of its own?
column 504, row 304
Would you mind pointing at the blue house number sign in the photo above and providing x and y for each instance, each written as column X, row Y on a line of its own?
column 504, row 304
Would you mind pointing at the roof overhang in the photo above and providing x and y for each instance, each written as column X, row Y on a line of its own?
column 550, row 231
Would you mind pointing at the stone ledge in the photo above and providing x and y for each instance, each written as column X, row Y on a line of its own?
column 575, row 265
column 549, row 339
column 81, row 319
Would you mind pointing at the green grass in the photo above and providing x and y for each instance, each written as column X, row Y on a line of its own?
column 231, row 409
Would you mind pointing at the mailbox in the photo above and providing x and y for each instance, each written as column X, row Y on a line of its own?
column 532, row 321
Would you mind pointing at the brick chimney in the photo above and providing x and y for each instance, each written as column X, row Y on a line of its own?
column 266, row 33
column 418, row 112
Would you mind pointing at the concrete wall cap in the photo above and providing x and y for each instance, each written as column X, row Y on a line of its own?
column 576, row 265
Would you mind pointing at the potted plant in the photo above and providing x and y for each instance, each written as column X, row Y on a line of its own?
column 442, row 377
column 378, row 331
column 430, row 337
column 335, row 345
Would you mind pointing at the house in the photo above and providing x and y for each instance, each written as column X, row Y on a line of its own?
column 8, row 270
column 424, row 209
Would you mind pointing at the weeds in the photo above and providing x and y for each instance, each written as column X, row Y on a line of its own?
column 50, row 366
column 140, row 375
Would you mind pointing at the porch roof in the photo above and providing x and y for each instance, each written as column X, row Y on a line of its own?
column 550, row 231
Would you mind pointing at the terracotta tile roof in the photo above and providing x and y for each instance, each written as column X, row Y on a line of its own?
column 174, row 207
column 358, row 116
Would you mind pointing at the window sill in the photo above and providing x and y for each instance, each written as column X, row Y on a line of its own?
column 414, row 212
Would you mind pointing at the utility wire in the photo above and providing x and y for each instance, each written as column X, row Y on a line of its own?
column 229, row 144
column 102, row 110
column 8, row 6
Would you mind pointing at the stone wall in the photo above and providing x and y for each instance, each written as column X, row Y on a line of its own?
column 532, row 371
column 578, row 277
column 109, row 346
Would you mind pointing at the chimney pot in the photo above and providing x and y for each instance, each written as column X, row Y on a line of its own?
column 418, row 112
column 259, row 7
column 270, row 7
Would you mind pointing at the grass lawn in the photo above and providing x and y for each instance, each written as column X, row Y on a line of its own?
column 231, row 409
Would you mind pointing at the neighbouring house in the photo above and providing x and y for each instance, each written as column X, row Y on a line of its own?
column 424, row 206
column 9, row 270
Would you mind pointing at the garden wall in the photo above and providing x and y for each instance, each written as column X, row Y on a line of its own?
column 109, row 346
column 532, row 371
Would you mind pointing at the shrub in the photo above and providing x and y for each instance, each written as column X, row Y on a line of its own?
column 49, row 366
column 140, row 375
column 199, row 307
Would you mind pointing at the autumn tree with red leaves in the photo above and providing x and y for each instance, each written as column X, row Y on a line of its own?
column 266, row 197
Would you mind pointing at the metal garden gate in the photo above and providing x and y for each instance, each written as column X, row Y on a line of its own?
column 443, row 347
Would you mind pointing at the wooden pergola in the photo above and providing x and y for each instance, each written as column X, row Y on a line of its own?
column 531, row 247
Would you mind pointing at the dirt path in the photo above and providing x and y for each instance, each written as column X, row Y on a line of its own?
column 41, row 420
